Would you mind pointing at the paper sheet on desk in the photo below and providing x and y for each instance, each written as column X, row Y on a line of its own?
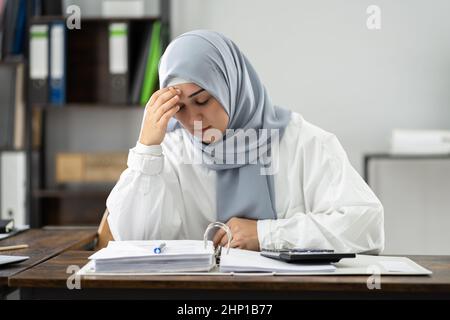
column 396, row 266
column 383, row 265
column 361, row 265
column 128, row 249
column 16, row 230
column 238, row 260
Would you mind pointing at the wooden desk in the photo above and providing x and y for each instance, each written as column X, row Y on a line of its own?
column 48, row 280
column 43, row 245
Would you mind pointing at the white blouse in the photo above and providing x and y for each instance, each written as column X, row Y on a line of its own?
column 321, row 201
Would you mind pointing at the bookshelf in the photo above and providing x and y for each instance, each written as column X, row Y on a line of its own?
column 62, row 128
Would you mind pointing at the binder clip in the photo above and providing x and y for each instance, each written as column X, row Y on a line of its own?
column 218, row 225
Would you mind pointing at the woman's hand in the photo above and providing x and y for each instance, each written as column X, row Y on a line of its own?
column 158, row 111
column 245, row 234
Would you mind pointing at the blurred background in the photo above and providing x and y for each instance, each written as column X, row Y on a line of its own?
column 75, row 74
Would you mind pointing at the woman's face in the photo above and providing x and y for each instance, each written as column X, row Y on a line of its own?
column 196, row 104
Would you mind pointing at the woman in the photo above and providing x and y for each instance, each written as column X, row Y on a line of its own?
column 286, row 184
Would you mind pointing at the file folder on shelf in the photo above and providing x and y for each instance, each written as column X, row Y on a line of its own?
column 57, row 63
column 12, row 107
column 39, row 60
column 7, row 92
column 118, row 63
column 13, row 186
column 151, row 70
column 139, row 74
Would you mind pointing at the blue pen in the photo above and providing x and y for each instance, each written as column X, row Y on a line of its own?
column 159, row 248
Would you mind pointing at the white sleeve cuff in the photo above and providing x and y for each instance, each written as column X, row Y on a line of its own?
column 145, row 163
column 265, row 234
column 155, row 150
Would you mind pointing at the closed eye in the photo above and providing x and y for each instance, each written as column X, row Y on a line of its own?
column 202, row 103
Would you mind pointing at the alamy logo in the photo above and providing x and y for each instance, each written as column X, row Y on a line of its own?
column 374, row 280
column 73, row 20
column 235, row 148
column 74, row 280
column 374, row 19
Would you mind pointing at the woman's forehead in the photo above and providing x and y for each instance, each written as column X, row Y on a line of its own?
column 188, row 88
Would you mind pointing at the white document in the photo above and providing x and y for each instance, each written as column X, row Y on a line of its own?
column 238, row 260
column 361, row 265
column 383, row 265
column 17, row 229
column 397, row 266
column 139, row 257
column 174, row 248
column 12, row 259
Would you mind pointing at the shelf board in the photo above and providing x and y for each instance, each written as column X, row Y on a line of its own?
column 386, row 155
column 12, row 60
column 56, row 193
column 3, row 149
column 47, row 19
column 87, row 106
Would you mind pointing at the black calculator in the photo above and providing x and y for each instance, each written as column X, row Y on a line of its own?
column 310, row 256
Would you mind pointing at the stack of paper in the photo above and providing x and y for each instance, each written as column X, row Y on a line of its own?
column 238, row 260
column 420, row 142
column 139, row 257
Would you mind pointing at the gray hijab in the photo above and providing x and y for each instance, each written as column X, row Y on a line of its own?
column 215, row 63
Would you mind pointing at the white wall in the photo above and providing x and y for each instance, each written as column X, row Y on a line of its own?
column 318, row 58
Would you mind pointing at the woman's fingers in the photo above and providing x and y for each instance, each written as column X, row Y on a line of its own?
column 218, row 237
column 160, row 92
column 224, row 241
column 169, row 114
column 169, row 105
column 161, row 107
column 156, row 95
column 221, row 239
column 163, row 98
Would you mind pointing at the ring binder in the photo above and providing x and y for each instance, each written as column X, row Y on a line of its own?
column 222, row 226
